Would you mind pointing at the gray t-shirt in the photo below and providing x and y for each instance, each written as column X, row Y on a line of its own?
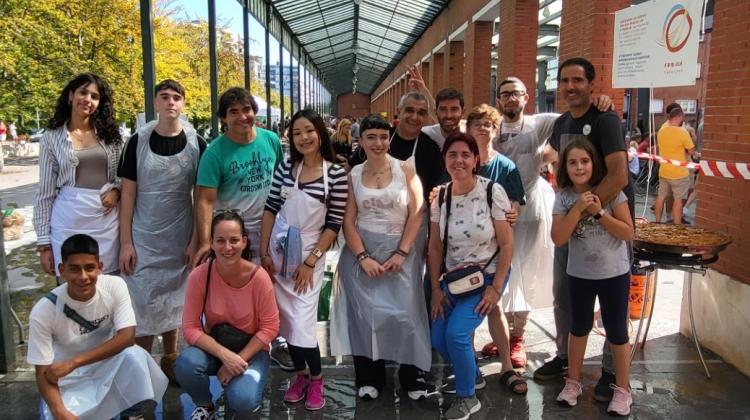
column 593, row 252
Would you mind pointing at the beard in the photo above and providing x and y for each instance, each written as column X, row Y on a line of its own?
column 510, row 113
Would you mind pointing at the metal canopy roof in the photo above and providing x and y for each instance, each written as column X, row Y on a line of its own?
column 360, row 40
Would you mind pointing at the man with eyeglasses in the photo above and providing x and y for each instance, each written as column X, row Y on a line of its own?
column 522, row 138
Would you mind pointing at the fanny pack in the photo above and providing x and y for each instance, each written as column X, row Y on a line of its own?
column 225, row 333
column 469, row 279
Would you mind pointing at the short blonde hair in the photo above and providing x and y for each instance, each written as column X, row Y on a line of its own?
column 483, row 111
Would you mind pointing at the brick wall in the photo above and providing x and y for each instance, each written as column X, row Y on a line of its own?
column 455, row 65
column 436, row 74
column 478, row 47
column 587, row 30
column 724, row 204
column 519, row 25
column 355, row 105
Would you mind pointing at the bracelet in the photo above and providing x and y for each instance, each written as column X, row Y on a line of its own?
column 401, row 252
column 362, row 255
column 495, row 289
column 308, row 265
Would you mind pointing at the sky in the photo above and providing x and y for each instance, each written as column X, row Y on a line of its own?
column 229, row 14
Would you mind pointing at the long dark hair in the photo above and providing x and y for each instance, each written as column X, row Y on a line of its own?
column 326, row 148
column 233, row 216
column 597, row 166
column 103, row 118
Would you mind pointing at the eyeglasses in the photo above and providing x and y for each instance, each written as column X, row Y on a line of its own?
column 482, row 124
column 516, row 94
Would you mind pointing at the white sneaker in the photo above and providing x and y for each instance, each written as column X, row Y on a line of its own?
column 621, row 401
column 569, row 395
column 368, row 393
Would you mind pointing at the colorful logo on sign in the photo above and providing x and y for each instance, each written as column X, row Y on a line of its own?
column 676, row 28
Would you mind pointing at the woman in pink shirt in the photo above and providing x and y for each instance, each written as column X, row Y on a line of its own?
column 233, row 293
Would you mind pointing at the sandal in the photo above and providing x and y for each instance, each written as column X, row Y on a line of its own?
column 513, row 380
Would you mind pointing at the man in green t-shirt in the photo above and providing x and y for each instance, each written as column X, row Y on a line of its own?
column 235, row 171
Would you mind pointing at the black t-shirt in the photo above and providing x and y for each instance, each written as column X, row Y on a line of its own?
column 162, row 146
column 428, row 159
column 602, row 129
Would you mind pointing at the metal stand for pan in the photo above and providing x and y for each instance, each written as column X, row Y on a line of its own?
column 690, row 263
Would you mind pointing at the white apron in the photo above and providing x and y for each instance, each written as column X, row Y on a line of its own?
column 104, row 389
column 530, row 283
column 383, row 318
column 161, row 228
column 298, row 313
column 79, row 210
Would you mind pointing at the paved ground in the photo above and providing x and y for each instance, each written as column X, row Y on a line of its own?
column 667, row 378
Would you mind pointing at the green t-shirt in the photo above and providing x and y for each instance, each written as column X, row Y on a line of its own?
column 241, row 173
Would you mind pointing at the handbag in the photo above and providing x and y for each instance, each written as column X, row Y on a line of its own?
column 469, row 279
column 225, row 333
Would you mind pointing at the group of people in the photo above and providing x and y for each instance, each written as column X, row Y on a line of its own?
column 444, row 225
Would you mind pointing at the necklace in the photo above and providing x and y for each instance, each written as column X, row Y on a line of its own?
column 378, row 175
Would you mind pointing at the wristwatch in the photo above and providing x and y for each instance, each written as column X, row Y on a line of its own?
column 317, row 253
column 599, row 215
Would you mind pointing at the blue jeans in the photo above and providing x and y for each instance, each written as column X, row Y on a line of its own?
column 244, row 393
column 453, row 336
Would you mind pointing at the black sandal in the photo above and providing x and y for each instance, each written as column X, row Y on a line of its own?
column 512, row 380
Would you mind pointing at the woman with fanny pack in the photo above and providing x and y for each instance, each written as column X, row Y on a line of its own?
column 302, row 217
column 235, row 299
column 471, row 246
column 78, row 184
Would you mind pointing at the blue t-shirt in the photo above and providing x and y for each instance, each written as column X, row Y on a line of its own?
column 503, row 171
column 241, row 173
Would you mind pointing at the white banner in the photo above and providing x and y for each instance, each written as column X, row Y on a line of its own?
column 656, row 44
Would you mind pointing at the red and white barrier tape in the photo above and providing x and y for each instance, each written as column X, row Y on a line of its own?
column 707, row 167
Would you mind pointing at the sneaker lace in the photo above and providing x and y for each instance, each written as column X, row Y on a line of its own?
column 316, row 389
column 571, row 387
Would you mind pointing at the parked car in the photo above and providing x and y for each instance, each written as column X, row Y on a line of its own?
column 35, row 134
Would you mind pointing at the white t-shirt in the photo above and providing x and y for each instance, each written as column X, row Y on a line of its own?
column 471, row 231
column 436, row 134
column 50, row 331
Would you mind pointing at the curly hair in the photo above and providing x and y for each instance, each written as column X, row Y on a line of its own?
column 103, row 118
column 483, row 111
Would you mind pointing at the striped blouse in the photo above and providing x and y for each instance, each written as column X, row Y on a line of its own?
column 57, row 169
column 337, row 191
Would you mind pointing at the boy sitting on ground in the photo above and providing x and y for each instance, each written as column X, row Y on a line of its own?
column 81, row 338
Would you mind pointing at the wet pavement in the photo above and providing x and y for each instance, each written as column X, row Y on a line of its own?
column 667, row 379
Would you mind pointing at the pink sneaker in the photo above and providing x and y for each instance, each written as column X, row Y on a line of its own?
column 315, row 398
column 569, row 395
column 296, row 391
column 621, row 401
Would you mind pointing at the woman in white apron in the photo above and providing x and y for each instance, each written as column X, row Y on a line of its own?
column 381, row 271
column 78, row 185
column 161, row 228
column 302, row 218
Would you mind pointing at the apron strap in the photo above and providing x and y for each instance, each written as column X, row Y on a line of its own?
column 414, row 151
column 325, row 178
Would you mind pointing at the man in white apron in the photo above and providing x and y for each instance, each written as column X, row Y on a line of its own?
column 235, row 173
column 158, row 170
column 81, row 338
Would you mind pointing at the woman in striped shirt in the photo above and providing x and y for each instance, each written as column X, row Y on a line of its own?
column 78, row 184
column 303, row 215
